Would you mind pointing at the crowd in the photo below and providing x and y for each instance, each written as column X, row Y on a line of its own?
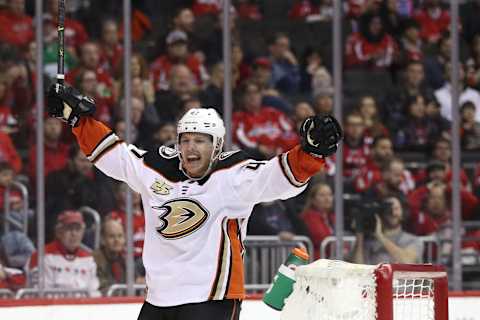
column 279, row 79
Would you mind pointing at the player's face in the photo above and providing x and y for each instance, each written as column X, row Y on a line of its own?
column 196, row 152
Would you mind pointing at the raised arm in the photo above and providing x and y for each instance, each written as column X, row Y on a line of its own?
column 98, row 142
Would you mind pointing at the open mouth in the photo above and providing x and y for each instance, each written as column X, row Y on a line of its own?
column 193, row 159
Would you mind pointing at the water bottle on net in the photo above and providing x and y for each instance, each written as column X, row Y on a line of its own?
column 283, row 281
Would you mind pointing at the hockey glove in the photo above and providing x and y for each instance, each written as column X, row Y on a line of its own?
column 321, row 135
column 67, row 104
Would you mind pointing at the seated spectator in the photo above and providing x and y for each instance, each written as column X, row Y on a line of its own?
column 444, row 95
column 389, row 243
column 90, row 60
column 473, row 64
column 417, row 131
column 184, row 20
column 371, row 173
column 371, row 47
column 249, row 10
column 323, row 102
column 15, row 249
column 315, row 78
column 355, row 149
column 16, row 212
column 76, row 185
column 412, row 84
column 271, row 218
column 318, row 215
column 262, row 128
column 55, row 151
column 8, row 105
column 392, row 16
column 164, row 134
column 241, row 68
column 67, row 265
column 139, row 69
column 470, row 127
column 8, row 152
column 303, row 110
column 262, row 76
column 212, row 95
column 311, row 11
column 17, row 27
column 436, row 173
column 435, row 64
column 433, row 20
column 411, row 45
column 395, row 181
column 442, row 152
column 169, row 103
column 285, row 69
column 374, row 128
column 206, row 7
column 119, row 213
column 177, row 53
column 111, row 50
column 10, row 278
column 7, row 176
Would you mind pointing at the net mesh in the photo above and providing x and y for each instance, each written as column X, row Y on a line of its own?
column 334, row 290
column 331, row 290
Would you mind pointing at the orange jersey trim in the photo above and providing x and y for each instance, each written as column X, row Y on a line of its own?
column 303, row 165
column 90, row 133
column 235, row 286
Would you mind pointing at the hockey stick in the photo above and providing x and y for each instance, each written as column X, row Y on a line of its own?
column 61, row 42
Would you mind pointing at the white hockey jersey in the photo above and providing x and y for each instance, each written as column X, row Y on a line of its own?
column 193, row 250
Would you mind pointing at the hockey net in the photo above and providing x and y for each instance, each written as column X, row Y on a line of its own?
column 334, row 290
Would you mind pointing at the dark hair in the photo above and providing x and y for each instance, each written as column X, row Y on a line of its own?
column 274, row 38
column 467, row 105
column 377, row 139
column 5, row 166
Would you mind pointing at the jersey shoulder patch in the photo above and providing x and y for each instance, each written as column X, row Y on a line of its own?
column 229, row 159
column 166, row 162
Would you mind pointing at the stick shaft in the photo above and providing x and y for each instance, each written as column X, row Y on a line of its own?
column 61, row 42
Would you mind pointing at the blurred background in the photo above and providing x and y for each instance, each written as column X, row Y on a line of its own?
column 405, row 175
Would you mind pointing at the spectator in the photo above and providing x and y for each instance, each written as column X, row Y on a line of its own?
column 55, row 151
column 394, row 181
column 16, row 248
column 262, row 75
column 119, row 213
column 184, row 20
column 442, row 151
column 17, row 27
column 411, row 85
column 74, row 186
column 303, row 110
column 262, row 128
column 10, row 278
column 285, row 69
column 67, row 265
column 318, row 215
column 469, row 20
column 111, row 50
column 169, row 103
column 374, row 128
column 315, row 78
column 311, row 11
column 392, row 19
column 87, row 84
column 176, row 53
column 8, row 153
column 355, row 148
column 139, row 69
column 470, row 128
column 241, row 69
column 372, row 47
column 110, row 257
column 206, row 7
column 473, row 63
column 435, row 64
column 90, row 60
column 371, row 173
column 417, row 131
column 411, row 45
column 444, row 95
column 323, row 102
column 7, row 176
column 436, row 173
column 433, row 20
column 212, row 95
column 271, row 219
column 249, row 10
column 389, row 242
column 164, row 134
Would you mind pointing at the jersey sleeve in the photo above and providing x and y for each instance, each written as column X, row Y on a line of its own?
column 109, row 153
column 282, row 177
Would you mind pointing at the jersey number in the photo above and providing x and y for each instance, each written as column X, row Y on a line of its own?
column 254, row 165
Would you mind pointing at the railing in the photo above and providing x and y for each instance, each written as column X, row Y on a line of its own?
column 9, row 220
column 29, row 293
column 6, row 294
column 264, row 254
column 120, row 289
column 95, row 226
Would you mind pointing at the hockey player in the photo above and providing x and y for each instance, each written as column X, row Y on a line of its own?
column 197, row 201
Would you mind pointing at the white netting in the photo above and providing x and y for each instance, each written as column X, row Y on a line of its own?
column 332, row 290
column 336, row 290
column 413, row 298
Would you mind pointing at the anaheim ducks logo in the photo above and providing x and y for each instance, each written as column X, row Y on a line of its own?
column 180, row 217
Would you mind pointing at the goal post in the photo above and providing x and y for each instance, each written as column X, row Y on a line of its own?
column 330, row 290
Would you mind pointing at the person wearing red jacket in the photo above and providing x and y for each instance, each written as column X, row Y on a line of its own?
column 433, row 20
column 371, row 47
column 260, row 127
column 111, row 50
column 177, row 53
column 371, row 173
column 16, row 28
column 318, row 215
column 8, row 153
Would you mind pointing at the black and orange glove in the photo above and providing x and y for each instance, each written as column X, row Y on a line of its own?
column 321, row 135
